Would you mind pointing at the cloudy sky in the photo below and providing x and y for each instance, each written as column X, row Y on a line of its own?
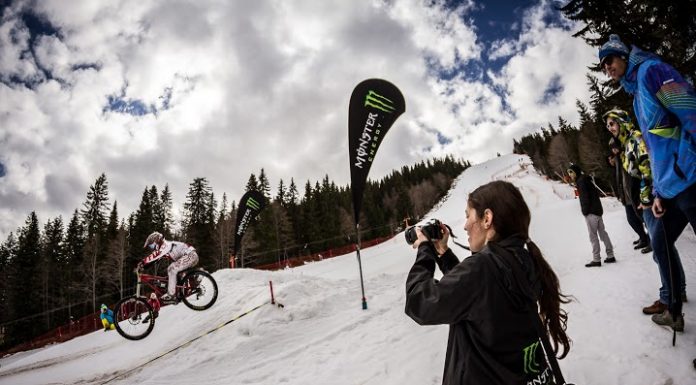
column 157, row 92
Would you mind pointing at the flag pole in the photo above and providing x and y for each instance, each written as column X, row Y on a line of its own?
column 357, row 250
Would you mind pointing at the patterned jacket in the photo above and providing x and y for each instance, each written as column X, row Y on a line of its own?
column 635, row 160
column 170, row 249
column 665, row 105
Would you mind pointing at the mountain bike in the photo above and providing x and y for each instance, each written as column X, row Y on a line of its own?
column 134, row 317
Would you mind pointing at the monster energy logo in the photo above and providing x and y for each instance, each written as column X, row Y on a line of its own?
column 530, row 364
column 375, row 100
column 252, row 203
column 368, row 140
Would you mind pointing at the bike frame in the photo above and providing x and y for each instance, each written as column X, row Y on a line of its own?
column 149, row 281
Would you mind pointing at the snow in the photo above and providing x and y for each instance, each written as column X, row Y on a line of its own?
column 322, row 335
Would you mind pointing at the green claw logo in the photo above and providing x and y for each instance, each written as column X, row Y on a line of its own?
column 530, row 364
column 375, row 100
column 253, row 204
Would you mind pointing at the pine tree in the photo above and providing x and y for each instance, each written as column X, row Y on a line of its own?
column 223, row 234
column 52, row 251
column 143, row 224
column 27, row 281
column 8, row 274
column 74, row 257
column 252, row 184
column 95, row 207
column 264, row 185
column 94, row 217
column 164, row 217
column 199, row 221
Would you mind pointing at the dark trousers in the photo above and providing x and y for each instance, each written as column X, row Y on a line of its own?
column 634, row 216
column 679, row 211
column 665, row 255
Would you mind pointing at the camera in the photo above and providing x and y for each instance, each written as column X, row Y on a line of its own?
column 432, row 230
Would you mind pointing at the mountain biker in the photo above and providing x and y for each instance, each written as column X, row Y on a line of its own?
column 182, row 255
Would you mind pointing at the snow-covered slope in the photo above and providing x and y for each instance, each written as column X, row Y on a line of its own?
column 322, row 336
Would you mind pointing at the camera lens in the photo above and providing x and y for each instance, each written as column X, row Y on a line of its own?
column 410, row 235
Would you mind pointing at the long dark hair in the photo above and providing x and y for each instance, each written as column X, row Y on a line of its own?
column 511, row 216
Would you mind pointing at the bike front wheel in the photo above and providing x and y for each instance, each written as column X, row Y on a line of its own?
column 134, row 318
column 199, row 290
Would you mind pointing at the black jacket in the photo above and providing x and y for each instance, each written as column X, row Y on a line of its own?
column 627, row 187
column 589, row 196
column 492, row 338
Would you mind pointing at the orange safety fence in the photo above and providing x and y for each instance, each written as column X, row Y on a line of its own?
column 76, row 328
column 335, row 252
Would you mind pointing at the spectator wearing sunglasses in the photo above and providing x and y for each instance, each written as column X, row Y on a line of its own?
column 636, row 163
column 665, row 108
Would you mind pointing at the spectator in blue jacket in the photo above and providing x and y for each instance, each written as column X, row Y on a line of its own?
column 107, row 318
column 665, row 107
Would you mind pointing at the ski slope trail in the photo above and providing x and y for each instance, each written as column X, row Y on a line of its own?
column 322, row 336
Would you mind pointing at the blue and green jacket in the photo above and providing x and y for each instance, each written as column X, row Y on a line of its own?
column 665, row 105
column 108, row 315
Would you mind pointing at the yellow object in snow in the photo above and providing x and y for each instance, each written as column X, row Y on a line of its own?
column 106, row 324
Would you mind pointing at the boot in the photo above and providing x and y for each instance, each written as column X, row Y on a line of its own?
column 641, row 245
column 609, row 260
column 146, row 319
column 656, row 308
column 646, row 249
column 665, row 319
column 593, row 264
column 637, row 241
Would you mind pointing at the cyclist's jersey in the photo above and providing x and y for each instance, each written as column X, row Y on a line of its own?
column 170, row 249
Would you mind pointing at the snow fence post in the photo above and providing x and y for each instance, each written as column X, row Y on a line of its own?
column 270, row 283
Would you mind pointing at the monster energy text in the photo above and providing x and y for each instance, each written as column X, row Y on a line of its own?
column 365, row 149
column 244, row 222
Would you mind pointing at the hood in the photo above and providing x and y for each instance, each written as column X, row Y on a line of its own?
column 635, row 59
column 522, row 288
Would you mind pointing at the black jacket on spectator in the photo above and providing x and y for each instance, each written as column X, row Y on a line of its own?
column 492, row 336
column 589, row 196
column 627, row 187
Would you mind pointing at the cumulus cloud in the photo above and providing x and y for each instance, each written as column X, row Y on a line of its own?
column 161, row 92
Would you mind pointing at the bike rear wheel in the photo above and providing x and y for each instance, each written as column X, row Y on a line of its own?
column 199, row 290
column 129, row 316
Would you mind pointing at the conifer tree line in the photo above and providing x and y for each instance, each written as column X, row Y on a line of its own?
column 667, row 28
column 54, row 270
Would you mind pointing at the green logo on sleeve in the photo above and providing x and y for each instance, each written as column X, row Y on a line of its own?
column 530, row 364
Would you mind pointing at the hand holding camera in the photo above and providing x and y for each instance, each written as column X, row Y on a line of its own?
column 433, row 231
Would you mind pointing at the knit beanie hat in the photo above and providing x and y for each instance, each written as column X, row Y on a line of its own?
column 613, row 46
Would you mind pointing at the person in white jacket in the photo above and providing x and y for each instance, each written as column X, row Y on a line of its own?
column 181, row 254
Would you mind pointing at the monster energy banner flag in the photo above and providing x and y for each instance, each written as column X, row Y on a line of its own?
column 374, row 106
column 249, row 207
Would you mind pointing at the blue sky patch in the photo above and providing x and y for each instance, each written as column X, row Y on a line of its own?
column 137, row 107
column 553, row 89
column 443, row 139
column 123, row 105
